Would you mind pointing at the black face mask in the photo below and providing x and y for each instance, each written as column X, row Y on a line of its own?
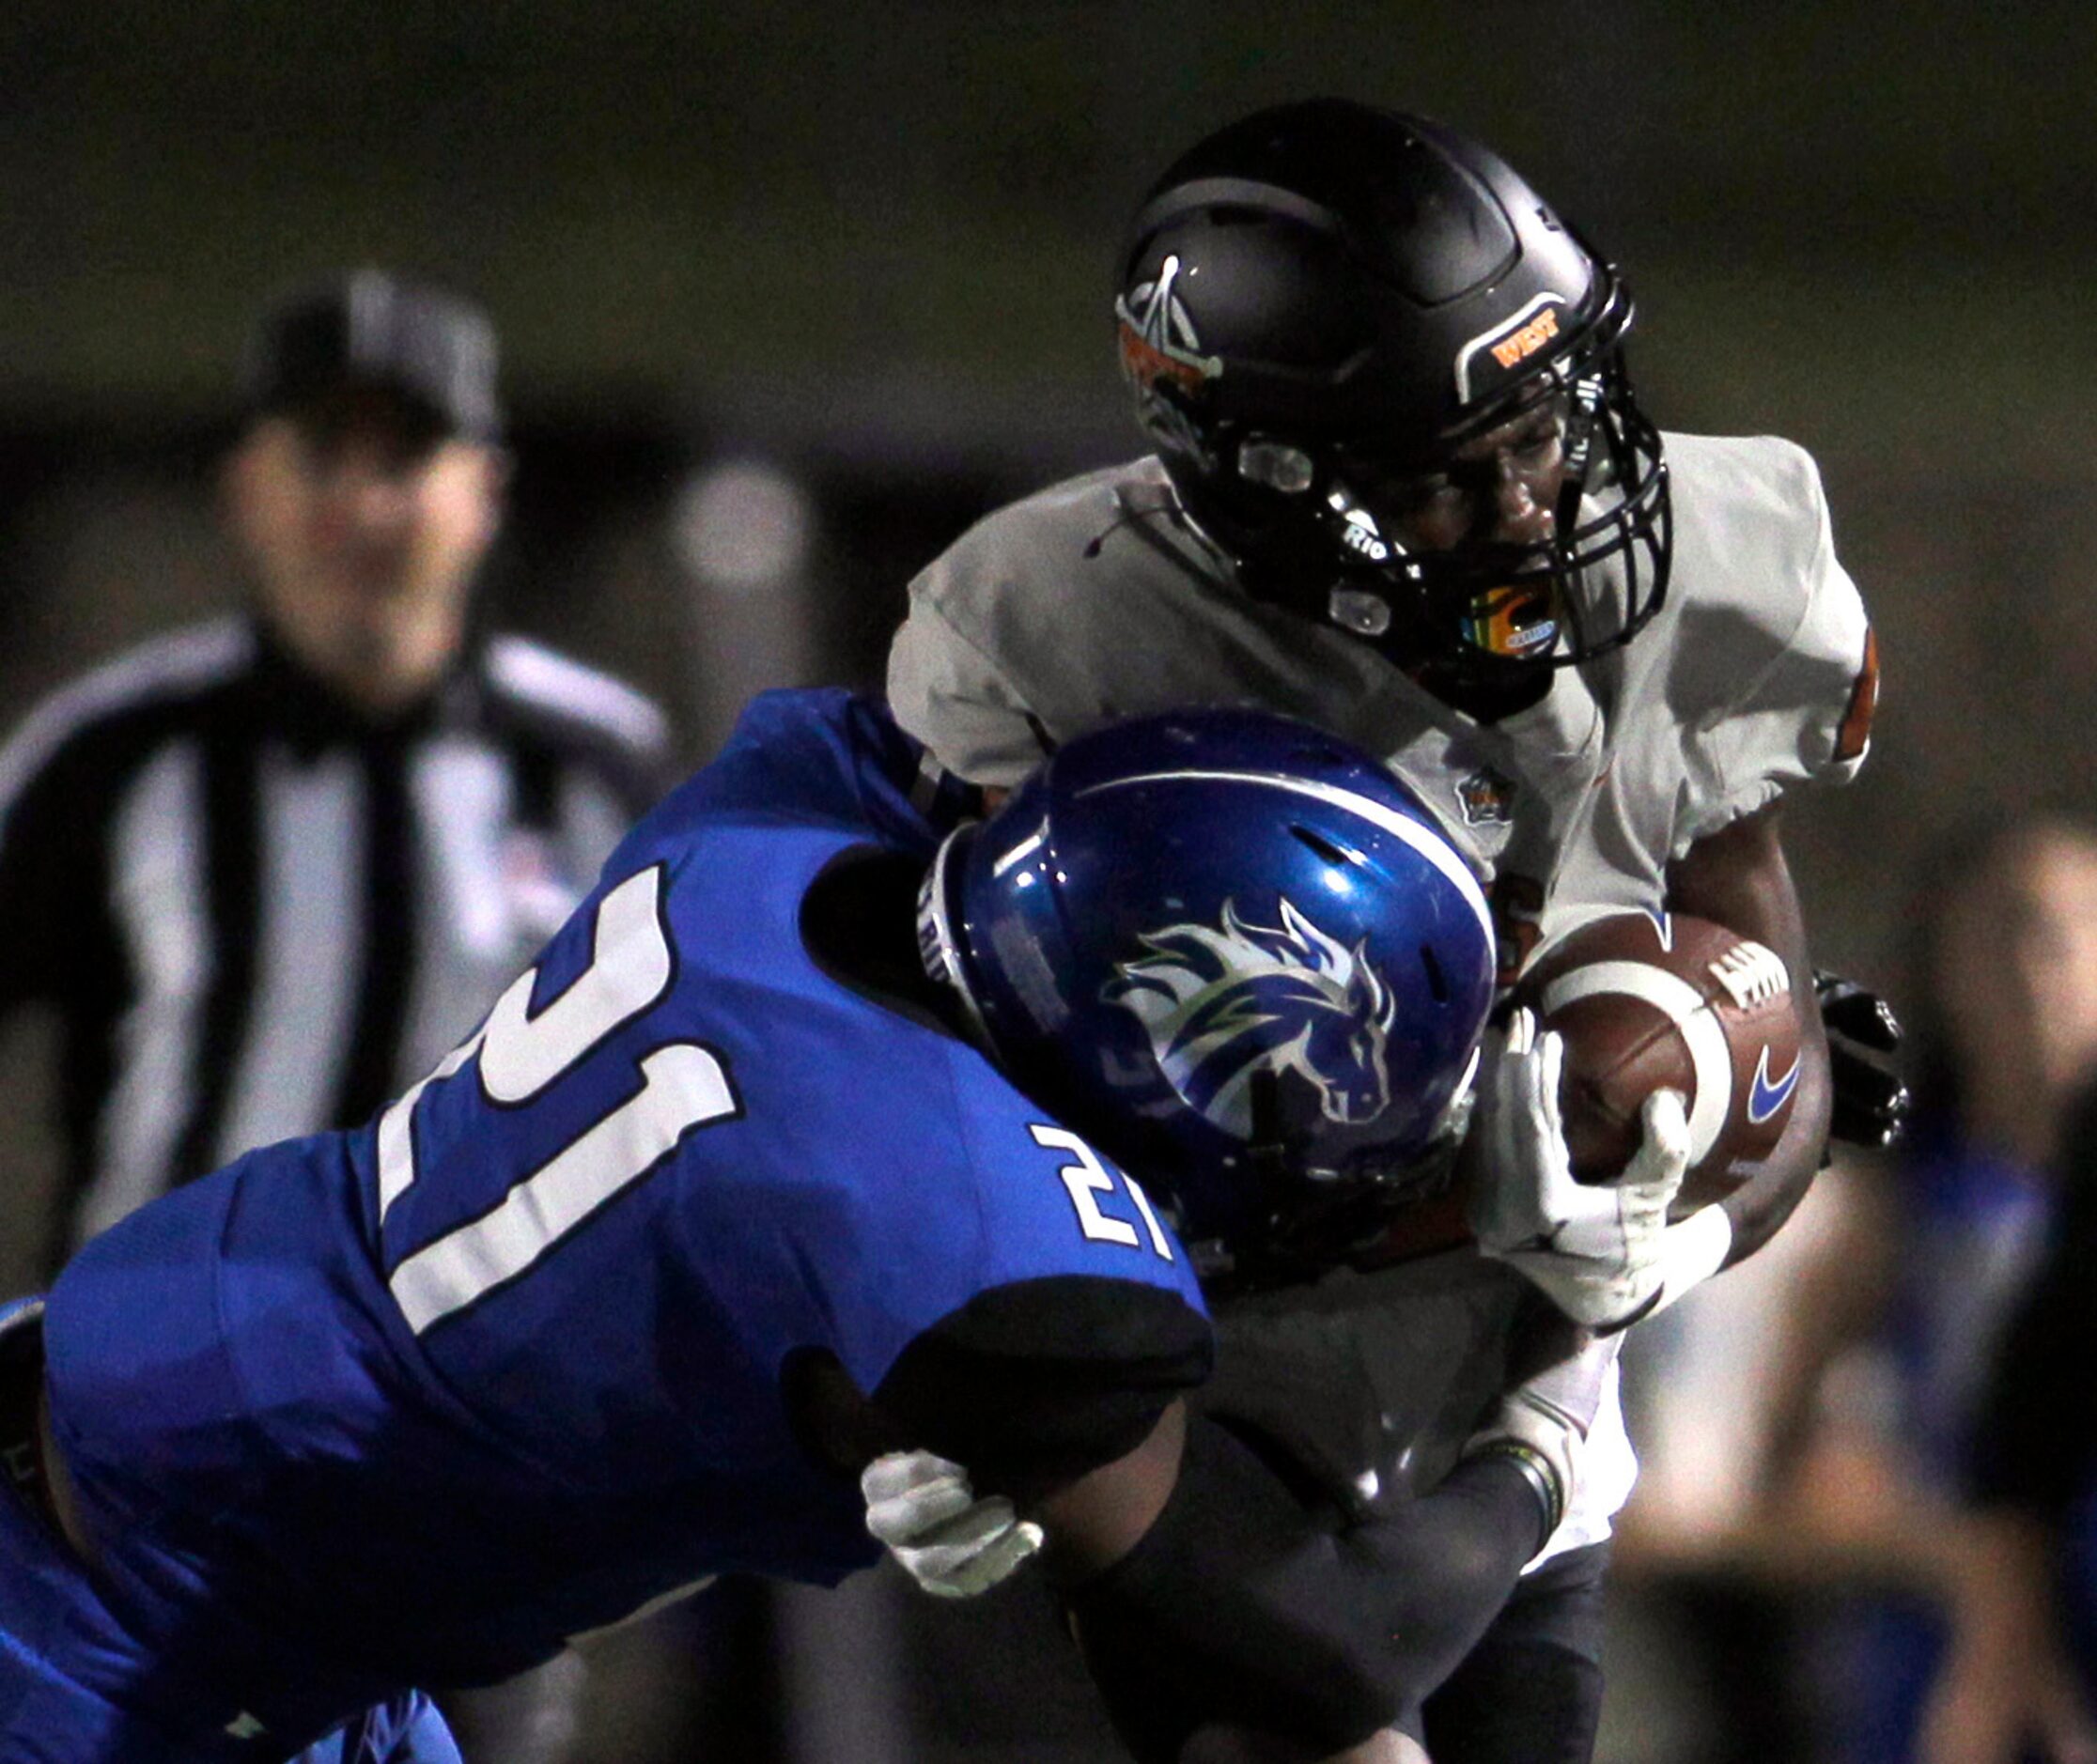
column 1486, row 620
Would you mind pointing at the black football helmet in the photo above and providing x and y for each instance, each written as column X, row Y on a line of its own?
column 1325, row 297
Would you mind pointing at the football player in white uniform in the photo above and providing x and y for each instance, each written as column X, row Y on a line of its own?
column 1400, row 487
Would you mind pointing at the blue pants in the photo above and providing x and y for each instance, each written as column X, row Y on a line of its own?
column 76, row 1687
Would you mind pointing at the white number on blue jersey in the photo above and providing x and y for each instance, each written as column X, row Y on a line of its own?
column 1087, row 1180
column 682, row 1086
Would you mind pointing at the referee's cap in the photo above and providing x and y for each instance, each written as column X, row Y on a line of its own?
column 370, row 327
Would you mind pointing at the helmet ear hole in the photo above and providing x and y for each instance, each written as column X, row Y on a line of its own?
column 1438, row 981
column 1335, row 854
column 1263, row 1090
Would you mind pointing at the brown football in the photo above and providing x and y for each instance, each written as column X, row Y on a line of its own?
column 1647, row 1002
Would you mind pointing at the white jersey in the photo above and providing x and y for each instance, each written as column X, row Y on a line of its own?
column 1096, row 600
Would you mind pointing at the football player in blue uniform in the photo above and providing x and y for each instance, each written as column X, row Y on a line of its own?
column 802, row 1151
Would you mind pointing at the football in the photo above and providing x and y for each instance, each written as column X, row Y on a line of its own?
column 1650, row 1001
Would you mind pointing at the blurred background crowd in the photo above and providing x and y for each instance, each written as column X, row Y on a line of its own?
column 787, row 297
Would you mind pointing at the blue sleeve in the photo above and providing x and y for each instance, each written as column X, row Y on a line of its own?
column 828, row 757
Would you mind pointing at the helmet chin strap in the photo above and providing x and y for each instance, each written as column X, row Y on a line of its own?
column 1582, row 418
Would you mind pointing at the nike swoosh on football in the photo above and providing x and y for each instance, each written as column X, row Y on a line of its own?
column 1765, row 1098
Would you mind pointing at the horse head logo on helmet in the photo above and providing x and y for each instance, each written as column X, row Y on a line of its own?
column 1221, row 1004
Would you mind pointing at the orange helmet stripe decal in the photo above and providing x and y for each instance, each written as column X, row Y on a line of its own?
column 1855, row 734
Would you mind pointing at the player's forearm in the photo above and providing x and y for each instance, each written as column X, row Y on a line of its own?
column 1239, row 1607
column 1092, row 1524
column 1738, row 877
column 1761, row 1205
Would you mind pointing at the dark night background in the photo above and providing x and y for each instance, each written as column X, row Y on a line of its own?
column 863, row 253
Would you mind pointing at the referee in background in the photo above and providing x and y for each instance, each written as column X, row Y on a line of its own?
column 267, row 870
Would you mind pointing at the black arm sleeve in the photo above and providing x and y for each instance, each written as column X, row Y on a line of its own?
column 1031, row 1384
column 1237, row 1607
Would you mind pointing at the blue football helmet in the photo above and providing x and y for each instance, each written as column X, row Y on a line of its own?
column 1236, row 954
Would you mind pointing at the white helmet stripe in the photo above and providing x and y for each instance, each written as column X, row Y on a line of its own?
column 1429, row 846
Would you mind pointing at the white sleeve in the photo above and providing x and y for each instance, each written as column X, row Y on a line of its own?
column 954, row 699
column 1805, row 665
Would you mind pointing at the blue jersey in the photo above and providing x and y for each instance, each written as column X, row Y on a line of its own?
column 423, row 1401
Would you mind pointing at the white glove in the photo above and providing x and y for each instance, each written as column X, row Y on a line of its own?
column 1544, row 1419
column 1594, row 1248
column 952, row 1544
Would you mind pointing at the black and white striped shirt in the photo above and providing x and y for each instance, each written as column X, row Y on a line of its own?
column 256, row 915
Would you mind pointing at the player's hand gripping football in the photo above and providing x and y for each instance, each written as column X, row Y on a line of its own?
column 951, row 1544
column 1594, row 1248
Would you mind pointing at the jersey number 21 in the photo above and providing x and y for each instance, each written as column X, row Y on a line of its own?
column 521, row 1056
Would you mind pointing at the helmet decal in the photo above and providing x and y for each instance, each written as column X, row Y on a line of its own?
column 1506, row 347
column 1514, row 622
column 1209, row 1000
column 1160, row 355
column 1158, row 340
